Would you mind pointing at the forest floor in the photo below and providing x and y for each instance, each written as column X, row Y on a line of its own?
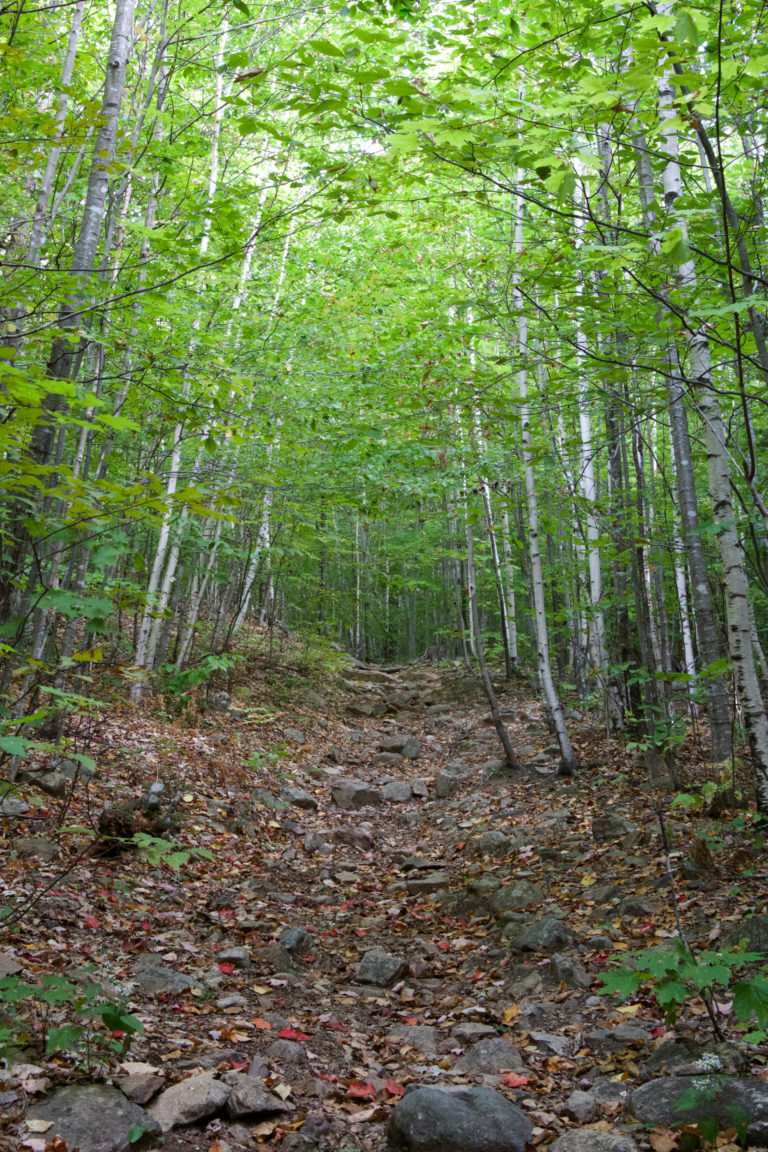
column 248, row 961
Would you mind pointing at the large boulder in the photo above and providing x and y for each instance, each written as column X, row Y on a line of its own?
column 468, row 1120
column 95, row 1118
column 729, row 1101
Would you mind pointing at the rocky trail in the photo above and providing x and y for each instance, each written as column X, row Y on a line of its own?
column 389, row 941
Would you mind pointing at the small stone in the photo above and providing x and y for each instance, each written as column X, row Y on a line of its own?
column 388, row 759
column 570, row 972
column 428, row 882
column 94, row 1118
column 38, row 846
column 287, row 1052
column 468, row 1120
column 633, row 906
column 491, row 843
column 397, row 791
column 380, row 968
column 581, row 1107
column 593, row 1140
column 195, row 1098
column 470, row 1031
column 52, row 783
column 153, row 978
column 604, row 1041
column 250, row 1097
column 420, row 1036
column 315, row 841
column 354, row 838
column 9, row 965
column 140, row 1088
column 219, row 701
column 545, row 935
column 354, row 794
column 11, row 805
column 237, row 955
column 73, row 769
column 450, row 780
column 296, row 940
column 407, row 746
column 603, row 893
column 553, row 1042
column 301, row 799
column 420, row 788
column 516, row 898
column 491, row 1055
column 233, row 1001
column 295, row 735
column 611, row 826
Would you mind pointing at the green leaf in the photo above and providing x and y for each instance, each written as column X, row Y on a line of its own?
column 327, row 48
column 65, row 1037
column 15, row 745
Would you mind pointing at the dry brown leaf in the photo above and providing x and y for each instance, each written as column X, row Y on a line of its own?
column 662, row 1141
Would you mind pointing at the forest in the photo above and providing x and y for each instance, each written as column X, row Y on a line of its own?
column 387, row 334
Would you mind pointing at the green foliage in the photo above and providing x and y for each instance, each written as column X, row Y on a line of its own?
column 159, row 851
column 97, row 1025
column 181, row 683
column 675, row 975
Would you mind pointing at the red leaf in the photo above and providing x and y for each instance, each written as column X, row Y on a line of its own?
column 513, row 1080
column 362, row 1091
column 394, row 1088
column 90, row 922
column 443, row 945
column 293, row 1034
column 227, row 969
column 145, row 924
column 660, row 1030
column 336, row 1026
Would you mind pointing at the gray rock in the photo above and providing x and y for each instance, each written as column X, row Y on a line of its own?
column 152, row 977
column 315, row 700
column 11, row 805
column 238, row 955
column 593, row 1141
column 421, row 1036
column 611, row 826
column 295, row 735
column 450, row 780
column 195, row 1098
column 141, row 1087
column 219, row 701
column 354, row 794
column 94, row 1118
column 9, row 965
column 491, row 843
column 35, row 846
column 380, row 968
column 553, row 1042
column 287, row 1052
column 569, row 972
column 420, row 788
column 753, row 929
column 603, row 893
column 233, row 1001
column 354, row 838
column 491, row 1055
column 52, row 783
column 316, row 841
column 397, row 791
column 471, row 1031
column 604, row 1041
column 301, row 799
column 296, row 940
column 731, row 1102
column 72, row 769
column 580, row 1106
column 468, row 1120
column 545, row 935
column 609, row 1092
column 388, row 759
column 427, row 882
column 634, row 906
column 250, row 1097
column 516, row 898
column 407, row 746
column 484, row 886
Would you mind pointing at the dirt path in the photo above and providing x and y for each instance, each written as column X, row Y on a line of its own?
column 384, row 908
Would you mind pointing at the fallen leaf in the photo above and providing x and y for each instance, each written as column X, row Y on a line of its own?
column 514, row 1080
column 293, row 1034
column 259, row 1022
column 39, row 1125
column 662, row 1141
column 394, row 1088
column 362, row 1091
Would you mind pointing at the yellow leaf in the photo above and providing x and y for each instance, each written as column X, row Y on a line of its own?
column 510, row 1014
column 282, row 1090
column 188, row 797
column 629, row 1009
column 620, row 946
column 588, row 880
